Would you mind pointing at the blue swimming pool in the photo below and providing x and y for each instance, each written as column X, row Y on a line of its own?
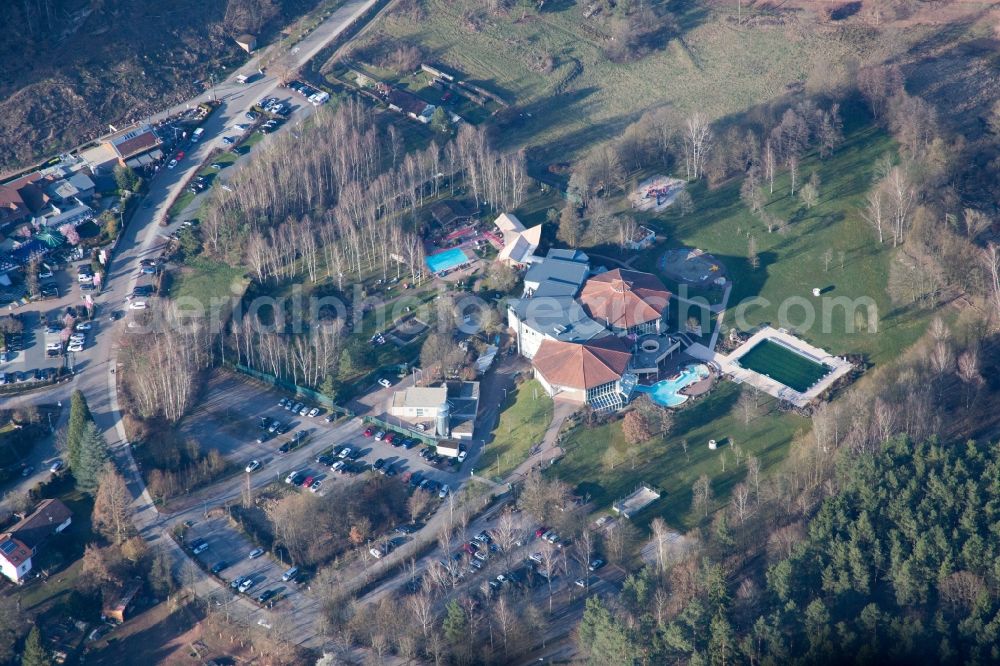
column 667, row 392
column 443, row 261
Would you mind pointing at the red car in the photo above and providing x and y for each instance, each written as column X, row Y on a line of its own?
column 180, row 155
column 540, row 531
column 308, row 482
column 469, row 548
column 389, row 437
column 368, row 432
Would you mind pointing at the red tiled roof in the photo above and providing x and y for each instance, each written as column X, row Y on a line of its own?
column 42, row 522
column 582, row 366
column 138, row 144
column 13, row 550
column 623, row 299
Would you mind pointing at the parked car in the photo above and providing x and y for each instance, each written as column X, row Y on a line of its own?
column 345, row 452
column 219, row 566
column 377, row 465
column 385, row 382
column 171, row 164
column 82, row 326
column 304, row 410
column 290, row 574
column 228, row 140
column 380, row 435
column 199, row 546
column 253, row 466
column 313, row 412
column 265, row 596
column 444, row 491
column 247, row 585
column 255, row 553
column 367, row 433
column 56, row 466
column 596, row 564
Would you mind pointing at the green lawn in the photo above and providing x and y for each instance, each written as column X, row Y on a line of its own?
column 522, row 425
column 793, row 262
column 708, row 64
column 783, row 365
column 600, row 463
column 204, row 280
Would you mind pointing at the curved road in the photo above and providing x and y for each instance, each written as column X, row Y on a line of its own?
column 143, row 237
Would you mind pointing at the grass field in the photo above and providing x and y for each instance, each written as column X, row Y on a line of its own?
column 709, row 64
column 600, row 463
column 781, row 364
column 793, row 262
column 522, row 425
column 204, row 280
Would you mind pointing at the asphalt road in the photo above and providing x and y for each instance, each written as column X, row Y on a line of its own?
column 143, row 238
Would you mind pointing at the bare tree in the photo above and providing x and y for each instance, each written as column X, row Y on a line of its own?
column 741, row 502
column 902, row 197
column 697, row 143
column 969, row 373
column 421, row 606
column 793, row 171
column 661, row 536
column 702, row 492
column 770, row 165
column 991, row 258
column 753, row 474
column 876, row 211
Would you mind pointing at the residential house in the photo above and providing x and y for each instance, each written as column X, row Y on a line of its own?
column 22, row 541
column 410, row 105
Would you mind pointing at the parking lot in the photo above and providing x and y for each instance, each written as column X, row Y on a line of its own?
column 230, row 548
column 229, row 420
column 28, row 351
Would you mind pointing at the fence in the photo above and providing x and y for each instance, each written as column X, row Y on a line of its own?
column 291, row 387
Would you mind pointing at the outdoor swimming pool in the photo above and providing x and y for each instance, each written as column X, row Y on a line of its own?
column 443, row 261
column 667, row 392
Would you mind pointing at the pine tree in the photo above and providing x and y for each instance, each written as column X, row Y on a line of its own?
column 79, row 416
column 92, row 457
column 34, row 652
column 455, row 624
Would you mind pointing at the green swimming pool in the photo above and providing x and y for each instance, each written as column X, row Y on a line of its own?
column 784, row 365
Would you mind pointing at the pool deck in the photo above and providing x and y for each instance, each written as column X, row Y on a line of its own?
column 729, row 365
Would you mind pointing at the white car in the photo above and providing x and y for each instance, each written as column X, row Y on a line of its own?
column 253, row 466
column 375, row 552
column 137, row 305
column 54, row 346
column 462, row 455
column 264, row 622
column 316, row 485
column 172, row 164
column 313, row 412
column 346, row 452
column 384, row 382
column 241, row 127
column 247, row 585
column 254, row 554
column 75, row 347
column 83, row 326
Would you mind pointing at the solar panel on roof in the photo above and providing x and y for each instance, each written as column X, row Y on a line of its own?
column 8, row 547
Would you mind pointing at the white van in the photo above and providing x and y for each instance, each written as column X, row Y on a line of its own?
column 290, row 574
